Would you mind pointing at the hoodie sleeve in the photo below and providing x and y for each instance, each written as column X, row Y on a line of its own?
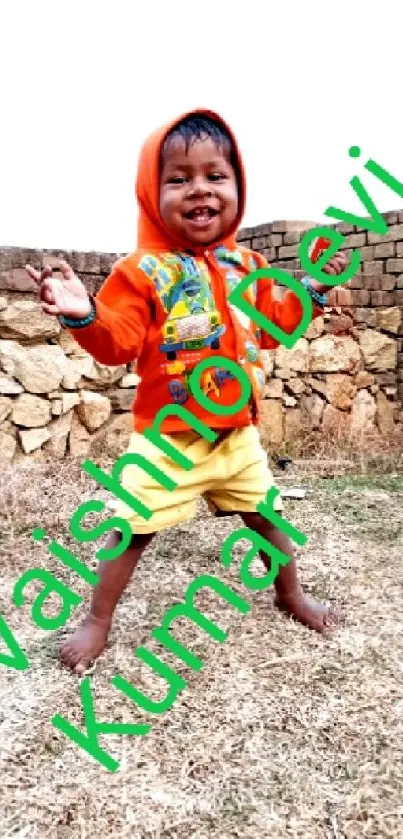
column 123, row 313
column 283, row 309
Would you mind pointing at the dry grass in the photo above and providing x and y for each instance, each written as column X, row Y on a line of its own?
column 282, row 734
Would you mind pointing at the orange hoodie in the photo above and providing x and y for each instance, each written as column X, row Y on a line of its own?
column 167, row 309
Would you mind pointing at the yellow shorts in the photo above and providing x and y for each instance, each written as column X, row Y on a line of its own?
column 232, row 475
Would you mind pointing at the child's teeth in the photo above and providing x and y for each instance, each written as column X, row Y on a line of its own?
column 202, row 215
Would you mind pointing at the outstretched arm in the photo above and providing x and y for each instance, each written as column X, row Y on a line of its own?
column 287, row 312
column 112, row 326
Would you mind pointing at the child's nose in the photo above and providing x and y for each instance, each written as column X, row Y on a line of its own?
column 200, row 187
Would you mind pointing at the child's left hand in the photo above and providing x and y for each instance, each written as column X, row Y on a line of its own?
column 337, row 296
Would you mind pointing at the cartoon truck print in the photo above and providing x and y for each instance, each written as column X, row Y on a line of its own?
column 192, row 323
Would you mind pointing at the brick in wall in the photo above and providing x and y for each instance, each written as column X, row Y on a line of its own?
column 343, row 227
column 388, row 282
column 382, row 298
column 361, row 297
column 373, row 267
column 357, row 282
column 384, row 250
column 367, row 253
column 269, row 254
column 261, row 242
column 394, row 266
column 391, row 217
column 394, row 234
column 292, row 237
column 288, row 252
column 356, row 240
column 107, row 262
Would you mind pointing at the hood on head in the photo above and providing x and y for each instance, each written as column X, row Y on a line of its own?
column 151, row 230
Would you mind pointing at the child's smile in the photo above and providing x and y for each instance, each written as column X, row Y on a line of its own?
column 198, row 191
column 201, row 216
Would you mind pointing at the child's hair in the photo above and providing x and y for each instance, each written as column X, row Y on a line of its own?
column 198, row 127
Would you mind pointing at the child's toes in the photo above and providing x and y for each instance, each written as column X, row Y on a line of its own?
column 68, row 655
column 71, row 656
column 82, row 666
column 331, row 617
column 309, row 612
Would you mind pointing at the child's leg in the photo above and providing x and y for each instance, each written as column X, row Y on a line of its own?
column 89, row 640
column 169, row 509
column 289, row 594
column 246, row 483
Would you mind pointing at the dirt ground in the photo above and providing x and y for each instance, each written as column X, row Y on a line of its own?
column 281, row 734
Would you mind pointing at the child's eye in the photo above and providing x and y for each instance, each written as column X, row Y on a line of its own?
column 177, row 180
column 216, row 176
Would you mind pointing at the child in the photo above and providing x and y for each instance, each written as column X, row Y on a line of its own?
column 166, row 307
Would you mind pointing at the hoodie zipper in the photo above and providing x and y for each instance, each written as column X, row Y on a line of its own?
column 209, row 258
column 240, row 357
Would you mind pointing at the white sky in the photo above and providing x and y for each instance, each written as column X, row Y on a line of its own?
column 83, row 82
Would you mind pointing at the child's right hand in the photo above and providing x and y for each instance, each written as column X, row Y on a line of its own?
column 61, row 295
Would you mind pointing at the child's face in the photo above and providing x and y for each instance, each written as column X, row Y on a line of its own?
column 198, row 191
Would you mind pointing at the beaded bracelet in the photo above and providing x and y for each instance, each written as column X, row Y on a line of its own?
column 319, row 299
column 76, row 323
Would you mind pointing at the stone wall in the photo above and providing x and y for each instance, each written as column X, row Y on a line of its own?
column 345, row 376
column 54, row 398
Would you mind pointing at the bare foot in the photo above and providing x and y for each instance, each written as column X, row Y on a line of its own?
column 85, row 644
column 308, row 611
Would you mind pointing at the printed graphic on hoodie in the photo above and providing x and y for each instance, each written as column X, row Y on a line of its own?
column 193, row 321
